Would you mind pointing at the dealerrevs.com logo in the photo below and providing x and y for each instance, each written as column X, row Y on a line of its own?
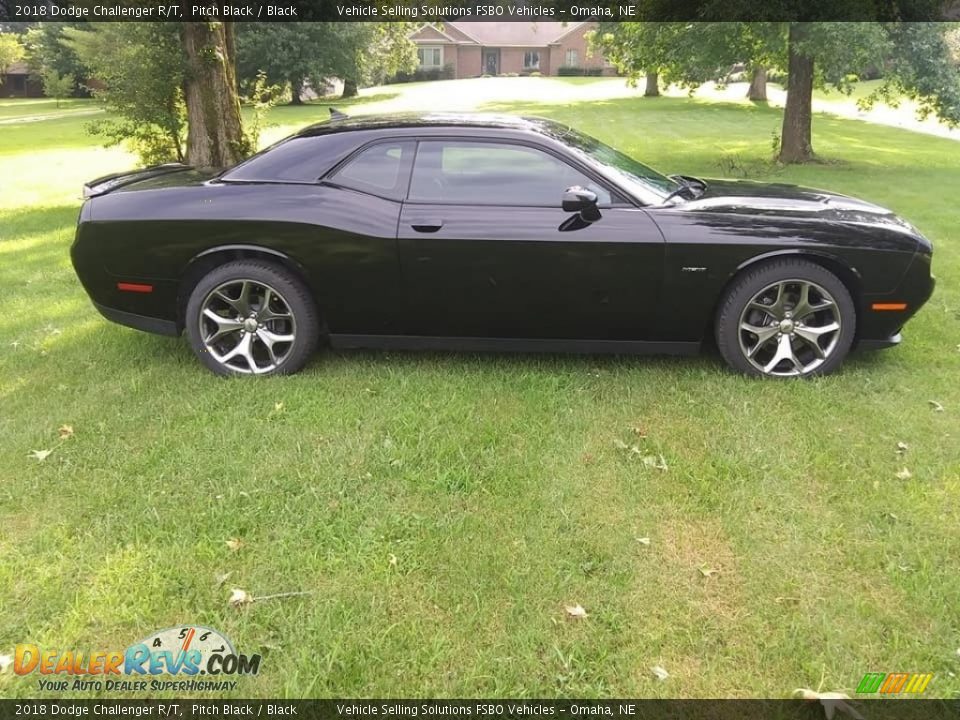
column 199, row 658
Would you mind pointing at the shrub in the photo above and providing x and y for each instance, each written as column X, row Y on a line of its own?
column 576, row 71
column 421, row 74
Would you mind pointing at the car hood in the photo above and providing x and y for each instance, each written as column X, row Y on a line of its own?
column 746, row 197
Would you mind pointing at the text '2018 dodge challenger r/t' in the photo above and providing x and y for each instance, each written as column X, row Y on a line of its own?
column 479, row 232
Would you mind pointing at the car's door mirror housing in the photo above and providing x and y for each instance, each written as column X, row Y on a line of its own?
column 582, row 201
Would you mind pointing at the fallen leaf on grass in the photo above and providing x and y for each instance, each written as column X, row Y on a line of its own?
column 5, row 662
column 831, row 701
column 239, row 598
column 904, row 474
column 220, row 578
column 65, row 431
column 639, row 431
column 708, row 571
column 902, row 447
column 40, row 455
column 659, row 673
column 234, row 544
column 937, row 407
column 393, row 560
column 657, row 462
column 278, row 407
column 576, row 611
column 643, row 540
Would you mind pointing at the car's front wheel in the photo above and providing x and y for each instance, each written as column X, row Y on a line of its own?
column 252, row 318
column 788, row 318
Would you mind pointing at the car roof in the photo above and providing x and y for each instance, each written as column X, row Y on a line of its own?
column 536, row 125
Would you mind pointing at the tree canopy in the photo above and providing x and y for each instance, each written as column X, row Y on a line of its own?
column 11, row 51
column 296, row 54
column 915, row 58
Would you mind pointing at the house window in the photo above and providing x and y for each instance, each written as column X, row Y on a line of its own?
column 572, row 59
column 430, row 57
column 531, row 60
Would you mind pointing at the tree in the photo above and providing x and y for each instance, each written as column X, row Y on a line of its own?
column 296, row 54
column 822, row 54
column 385, row 50
column 757, row 92
column 652, row 88
column 46, row 50
column 140, row 69
column 215, row 137
column 310, row 53
column 11, row 51
column 57, row 86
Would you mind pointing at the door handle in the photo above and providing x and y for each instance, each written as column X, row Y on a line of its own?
column 426, row 225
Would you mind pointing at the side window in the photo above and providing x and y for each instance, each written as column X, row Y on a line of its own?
column 479, row 173
column 380, row 169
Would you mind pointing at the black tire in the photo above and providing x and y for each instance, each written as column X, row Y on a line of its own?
column 290, row 312
column 767, row 284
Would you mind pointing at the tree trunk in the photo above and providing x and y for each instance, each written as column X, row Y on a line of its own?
column 296, row 87
column 350, row 88
column 215, row 132
column 796, row 144
column 653, row 85
column 757, row 92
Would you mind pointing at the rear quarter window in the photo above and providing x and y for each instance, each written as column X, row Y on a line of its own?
column 297, row 159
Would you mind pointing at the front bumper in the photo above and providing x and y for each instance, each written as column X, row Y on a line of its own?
column 880, row 328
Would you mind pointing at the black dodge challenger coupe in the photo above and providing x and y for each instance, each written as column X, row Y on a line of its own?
column 479, row 232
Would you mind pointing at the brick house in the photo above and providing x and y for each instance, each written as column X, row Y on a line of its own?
column 473, row 49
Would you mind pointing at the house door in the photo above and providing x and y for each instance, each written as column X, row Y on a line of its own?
column 491, row 62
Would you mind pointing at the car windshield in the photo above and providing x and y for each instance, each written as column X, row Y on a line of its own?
column 619, row 165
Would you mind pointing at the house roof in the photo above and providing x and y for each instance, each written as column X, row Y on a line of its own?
column 505, row 34
column 430, row 34
column 18, row 68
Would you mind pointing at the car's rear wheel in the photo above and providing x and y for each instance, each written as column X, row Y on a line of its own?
column 252, row 318
column 788, row 318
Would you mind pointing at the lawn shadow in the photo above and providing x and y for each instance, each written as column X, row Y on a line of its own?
column 549, row 361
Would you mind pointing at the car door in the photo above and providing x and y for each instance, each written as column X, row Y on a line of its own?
column 486, row 250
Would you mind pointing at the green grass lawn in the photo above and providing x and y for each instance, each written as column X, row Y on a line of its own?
column 43, row 107
column 442, row 510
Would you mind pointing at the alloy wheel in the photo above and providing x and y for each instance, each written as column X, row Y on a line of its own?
column 789, row 328
column 247, row 326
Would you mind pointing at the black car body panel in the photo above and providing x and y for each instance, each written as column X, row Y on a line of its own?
column 390, row 271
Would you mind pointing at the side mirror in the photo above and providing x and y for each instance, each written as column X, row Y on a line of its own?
column 582, row 201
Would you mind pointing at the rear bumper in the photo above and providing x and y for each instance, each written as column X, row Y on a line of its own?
column 139, row 322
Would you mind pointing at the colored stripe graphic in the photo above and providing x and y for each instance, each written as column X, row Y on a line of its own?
column 871, row 682
column 894, row 683
column 918, row 682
